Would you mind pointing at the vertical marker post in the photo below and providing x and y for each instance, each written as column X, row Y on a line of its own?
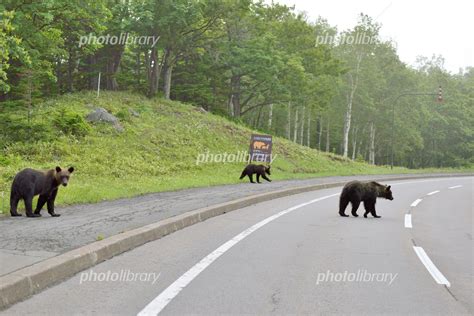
column 98, row 85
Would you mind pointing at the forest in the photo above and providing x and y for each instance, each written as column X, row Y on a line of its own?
column 259, row 63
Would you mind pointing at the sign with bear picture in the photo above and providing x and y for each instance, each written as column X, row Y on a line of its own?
column 260, row 148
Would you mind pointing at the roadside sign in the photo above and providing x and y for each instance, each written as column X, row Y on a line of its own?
column 260, row 148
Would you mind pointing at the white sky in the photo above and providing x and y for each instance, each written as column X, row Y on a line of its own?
column 419, row 27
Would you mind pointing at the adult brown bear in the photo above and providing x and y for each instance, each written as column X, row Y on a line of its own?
column 260, row 170
column 28, row 183
column 368, row 192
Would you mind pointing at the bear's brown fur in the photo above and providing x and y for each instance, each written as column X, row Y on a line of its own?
column 368, row 192
column 28, row 183
column 260, row 170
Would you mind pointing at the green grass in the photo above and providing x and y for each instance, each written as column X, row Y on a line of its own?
column 156, row 152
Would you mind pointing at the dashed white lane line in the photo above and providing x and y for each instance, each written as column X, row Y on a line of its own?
column 416, row 202
column 408, row 221
column 455, row 187
column 434, row 192
column 429, row 265
column 165, row 297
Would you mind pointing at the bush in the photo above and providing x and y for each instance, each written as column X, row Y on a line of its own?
column 70, row 122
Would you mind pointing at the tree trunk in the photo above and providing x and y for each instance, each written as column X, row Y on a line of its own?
column 327, row 137
column 350, row 100
column 320, row 134
column 302, row 126
column 235, row 88
column 113, row 57
column 138, row 68
column 308, row 131
column 295, row 130
column 153, row 71
column 288, row 122
column 167, row 83
column 270, row 117
column 372, row 144
column 231, row 105
column 70, row 70
column 257, row 122
column 354, row 143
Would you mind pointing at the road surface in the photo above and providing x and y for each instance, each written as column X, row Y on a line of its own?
column 80, row 225
column 293, row 255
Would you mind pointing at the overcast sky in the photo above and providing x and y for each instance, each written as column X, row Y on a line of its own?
column 419, row 27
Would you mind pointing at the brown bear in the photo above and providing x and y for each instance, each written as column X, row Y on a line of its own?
column 260, row 170
column 28, row 183
column 368, row 192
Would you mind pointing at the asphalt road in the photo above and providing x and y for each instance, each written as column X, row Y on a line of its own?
column 292, row 255
column 80, row 225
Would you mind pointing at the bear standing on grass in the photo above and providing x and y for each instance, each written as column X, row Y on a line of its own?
column 368, row 192
column 29, row 182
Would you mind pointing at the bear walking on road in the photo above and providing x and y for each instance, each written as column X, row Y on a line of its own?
column 28, row 183
column 368, row 192
column 260, row 170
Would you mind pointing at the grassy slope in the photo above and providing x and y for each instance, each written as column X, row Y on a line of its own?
column 156, row 152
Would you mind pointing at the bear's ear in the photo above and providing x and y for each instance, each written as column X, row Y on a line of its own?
column 58, row 169
column 388, row 188
column 71, row 169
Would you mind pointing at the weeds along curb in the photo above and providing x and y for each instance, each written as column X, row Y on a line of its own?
column 23, row 283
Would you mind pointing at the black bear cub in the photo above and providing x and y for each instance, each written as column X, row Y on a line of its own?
column 29, row 182
column 260, row 170
column 368, row 192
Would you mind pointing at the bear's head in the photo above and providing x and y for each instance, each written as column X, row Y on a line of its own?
column 388, row 193
column 62, row 175
column 267, row 170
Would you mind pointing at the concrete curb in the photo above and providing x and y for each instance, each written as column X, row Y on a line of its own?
column 23, row 283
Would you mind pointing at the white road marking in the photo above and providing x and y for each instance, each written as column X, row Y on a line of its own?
column 416, row 202
column 434, row 192
column 165, row 297
column 455, row 187
column 429, row 265
column 408, row 221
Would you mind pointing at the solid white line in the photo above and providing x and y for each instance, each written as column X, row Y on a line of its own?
column 417, row 201
column 455, row 187
column 429, row 265
column 165, row 297
column 434, row 192
column 408, row 221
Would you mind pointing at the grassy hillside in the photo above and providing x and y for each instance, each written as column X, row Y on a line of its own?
column 157, row 151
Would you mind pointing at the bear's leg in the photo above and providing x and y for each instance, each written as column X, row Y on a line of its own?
column 355, row 207
column 343, row 202
column 41, row 202
column 266, row 178
column 367, row 208
column 29, row 206
column 51, row 204
column 251, row 178
column 14, row 199
column 372, row 210
column 258, row 177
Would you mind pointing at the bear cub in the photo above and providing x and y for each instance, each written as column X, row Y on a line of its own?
column 260, row 170
column 368, row 192
column 28, row 183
